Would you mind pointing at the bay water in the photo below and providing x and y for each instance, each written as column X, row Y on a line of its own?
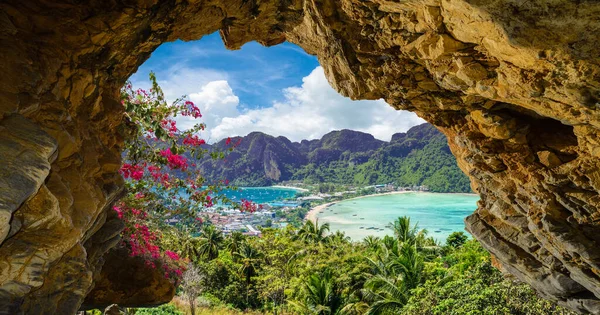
column 273, row 196
column 440, row 214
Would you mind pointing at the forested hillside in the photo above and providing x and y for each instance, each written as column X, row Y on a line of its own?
column 418, row 157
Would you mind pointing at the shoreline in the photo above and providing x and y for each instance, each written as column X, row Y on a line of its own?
column 290, row 187
column 312, row 213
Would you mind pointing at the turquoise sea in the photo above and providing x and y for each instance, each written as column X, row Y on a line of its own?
column 273, row 196
column 440, row 214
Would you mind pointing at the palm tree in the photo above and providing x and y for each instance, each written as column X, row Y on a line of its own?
column 313, row 233
column 321, row 296
column 339, row 237
column 210, row 241
column 427, row 246
column 380, row 264
column 410, row 265
column 234, row 241
column 390, row 243
column 385, row 294
column 183, row 242
column 372, row 242
column 250, row 259
column 403, row 231
column 357, row 307
column 393, row 276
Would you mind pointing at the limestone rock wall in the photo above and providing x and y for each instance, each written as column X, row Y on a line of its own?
column 515, row 85
column 128, row 281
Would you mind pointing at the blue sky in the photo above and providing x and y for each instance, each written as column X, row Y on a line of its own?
column 278, row 90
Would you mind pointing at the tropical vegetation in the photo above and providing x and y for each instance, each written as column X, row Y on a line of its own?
column 312, row 270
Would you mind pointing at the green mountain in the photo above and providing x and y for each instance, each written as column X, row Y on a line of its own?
column 418, row 157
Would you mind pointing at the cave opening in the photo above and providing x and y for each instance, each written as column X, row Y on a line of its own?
column 60, row 115
column 279, row 90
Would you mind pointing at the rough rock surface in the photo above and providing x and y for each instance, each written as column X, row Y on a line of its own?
column 513, row 84
column 129, row 281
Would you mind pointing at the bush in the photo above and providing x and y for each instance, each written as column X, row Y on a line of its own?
column 165, row 309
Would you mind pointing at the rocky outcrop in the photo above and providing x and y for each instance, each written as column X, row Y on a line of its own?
column 341, row 156
column 513, row 84
column 130, row 281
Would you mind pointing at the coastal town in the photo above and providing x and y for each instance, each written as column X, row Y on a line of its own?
column 304, row 206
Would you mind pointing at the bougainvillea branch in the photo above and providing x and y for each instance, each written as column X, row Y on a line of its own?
column 165, row 187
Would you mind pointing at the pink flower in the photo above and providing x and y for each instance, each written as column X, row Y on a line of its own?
column 249, row 206
column 137, row 175
column 174, row 161
column 154, row 172
column 166, row 153
column 119, row 211
column 208, row 201
column 190, row 109
column 170, row 126
column 172, row 255
column 193, row 140
column 135, row 172
column 173, row 126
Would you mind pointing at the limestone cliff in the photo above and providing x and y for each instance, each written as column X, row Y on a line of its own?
column 515, row 85
column 341, row 156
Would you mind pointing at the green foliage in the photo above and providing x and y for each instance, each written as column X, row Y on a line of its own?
column 295, row 217
column 165, row 309
column 456, row 239
column 312, row 271
column 234, row 242
column 313, row 232
column 321, row 295
column 326, row 188
column 473, row 286
column 210, row 242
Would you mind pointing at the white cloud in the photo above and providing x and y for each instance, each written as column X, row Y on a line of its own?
column 307, row 112
column 313, row 109
column 179, row 79
column 215, row 100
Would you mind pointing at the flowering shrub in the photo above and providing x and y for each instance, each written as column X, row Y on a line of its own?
column 164, row 188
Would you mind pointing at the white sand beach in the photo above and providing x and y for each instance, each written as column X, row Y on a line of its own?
column 312, row 214
column 290, row 187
